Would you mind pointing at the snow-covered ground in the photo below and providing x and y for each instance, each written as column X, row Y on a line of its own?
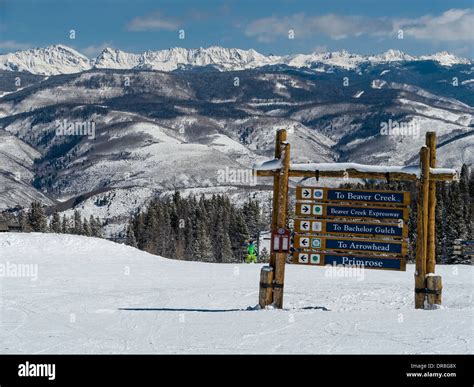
column 93, row 296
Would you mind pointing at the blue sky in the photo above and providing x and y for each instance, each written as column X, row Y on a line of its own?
column 361, row 26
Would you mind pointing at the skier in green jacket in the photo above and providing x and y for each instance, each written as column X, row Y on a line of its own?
column 251, row 253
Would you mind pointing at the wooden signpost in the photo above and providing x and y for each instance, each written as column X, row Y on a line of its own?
column 354, row 228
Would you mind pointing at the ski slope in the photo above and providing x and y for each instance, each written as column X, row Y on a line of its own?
column 95, row 296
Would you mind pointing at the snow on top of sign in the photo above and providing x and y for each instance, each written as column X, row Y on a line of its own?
column 335, row 167
column 273, row 164
column 268, row 165
column 440, row 171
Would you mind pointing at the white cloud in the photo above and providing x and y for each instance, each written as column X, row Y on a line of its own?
column 452, row 25
column 12, row 45
column 93, row 50
column 153, row 22
column 332, row 25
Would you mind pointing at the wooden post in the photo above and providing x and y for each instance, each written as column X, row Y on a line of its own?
column 266, row 286
column 281, row 136
column 431, row 248
column 267, row 272
column 434, row 286
column 280, row 258
column 422, row 228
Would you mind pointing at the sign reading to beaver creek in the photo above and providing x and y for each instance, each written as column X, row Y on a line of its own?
column 338, row 227
column 352, row 196
column 347, row 244
column 365, row 261
column 332, row 222
column 325, row 210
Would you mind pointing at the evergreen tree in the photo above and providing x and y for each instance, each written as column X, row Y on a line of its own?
column 239, row 234
column 440, row 225
column 138, row 228
column 150, row 230
column 93, row 226
column 224, row 253
column 86, row 230
column 455, row 227
column 189, row 239
column 264, row 255
column 466, row 199
column 130, row 237
column 98, row 230
column 165, row 241
column 202, row 249
column 65, row 225
column 23, row 221
column 37, row 218
column 77, row 228
column 55, row 225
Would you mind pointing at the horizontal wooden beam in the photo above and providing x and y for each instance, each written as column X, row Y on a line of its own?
column 442, row 177
column 354, row 174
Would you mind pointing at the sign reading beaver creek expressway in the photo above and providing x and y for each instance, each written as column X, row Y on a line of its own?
column 324, row 210
column 351, row 227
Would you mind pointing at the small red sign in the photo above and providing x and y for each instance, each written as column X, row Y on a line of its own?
column 281, row 240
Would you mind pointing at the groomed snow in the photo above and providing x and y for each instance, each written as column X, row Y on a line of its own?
column 94, row 296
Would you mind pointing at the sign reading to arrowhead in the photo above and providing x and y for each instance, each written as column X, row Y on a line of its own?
column 306, row 193
column 305, row 209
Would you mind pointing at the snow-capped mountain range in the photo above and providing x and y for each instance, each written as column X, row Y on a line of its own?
column 60, row 59
column 184, row 129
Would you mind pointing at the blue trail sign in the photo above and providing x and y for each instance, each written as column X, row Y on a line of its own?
column 323, row 194
column 337, row 227
column 324, row 243
column 349, row 260
column 329, row 210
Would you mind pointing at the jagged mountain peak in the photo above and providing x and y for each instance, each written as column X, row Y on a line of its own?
column 61, row 59
column 50, row 60
column 446, row 58
column 394, row 55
